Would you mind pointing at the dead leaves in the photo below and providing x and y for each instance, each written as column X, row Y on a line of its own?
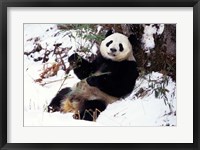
column 49, row 72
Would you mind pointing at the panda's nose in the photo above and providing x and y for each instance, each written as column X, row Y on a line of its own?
column 113, row 50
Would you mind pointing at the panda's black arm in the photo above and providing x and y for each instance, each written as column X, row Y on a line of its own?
column 113, row 86
column 108, row 85
column 82, row 68
column 99, row 81
column 118, row 83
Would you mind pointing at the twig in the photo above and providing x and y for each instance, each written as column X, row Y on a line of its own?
column 62, row 83
column 87, row 111
column 51, row 82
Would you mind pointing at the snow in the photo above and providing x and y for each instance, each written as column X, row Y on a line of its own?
column 141, row 111
column 147, row 37
column 140, row 108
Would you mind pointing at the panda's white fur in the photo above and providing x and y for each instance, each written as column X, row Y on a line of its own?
column 117, row 38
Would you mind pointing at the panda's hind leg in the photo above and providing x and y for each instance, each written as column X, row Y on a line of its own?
column 70, row 105
column 55, row 103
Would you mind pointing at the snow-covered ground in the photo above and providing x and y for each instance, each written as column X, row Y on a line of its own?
column 140, row 108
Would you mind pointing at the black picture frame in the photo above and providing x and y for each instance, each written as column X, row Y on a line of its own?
column 4, row 4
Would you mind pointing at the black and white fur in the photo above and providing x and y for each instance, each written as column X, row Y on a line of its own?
column 112, row 75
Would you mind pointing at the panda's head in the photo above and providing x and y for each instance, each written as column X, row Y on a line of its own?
column 117, row 47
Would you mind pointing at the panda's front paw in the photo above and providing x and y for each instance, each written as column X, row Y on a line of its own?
column 74, row 61
column 73, row 58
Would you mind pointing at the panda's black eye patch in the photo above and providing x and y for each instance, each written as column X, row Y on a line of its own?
column 107, row 44
column 121, row 48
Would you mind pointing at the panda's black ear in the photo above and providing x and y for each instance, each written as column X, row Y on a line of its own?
column 109, row 32
column 133, row 40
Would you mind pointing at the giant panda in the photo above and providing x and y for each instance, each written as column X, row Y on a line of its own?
column 111, row 76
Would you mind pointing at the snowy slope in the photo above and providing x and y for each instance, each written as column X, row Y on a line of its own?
column 141, row 108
